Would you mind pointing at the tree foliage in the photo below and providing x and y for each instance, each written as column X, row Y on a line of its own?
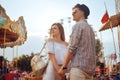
column 98, row 51
column 23, row 62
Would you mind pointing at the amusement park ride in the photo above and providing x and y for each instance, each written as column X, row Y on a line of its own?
column 114, row 21
column 12, row 33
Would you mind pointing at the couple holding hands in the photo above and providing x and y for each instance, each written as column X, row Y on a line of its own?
column 79, row 53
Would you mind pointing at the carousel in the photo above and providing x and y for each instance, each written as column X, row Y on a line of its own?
column 12, row 33
column 114, row 21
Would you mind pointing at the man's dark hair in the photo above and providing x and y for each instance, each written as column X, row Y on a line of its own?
column 84, row 8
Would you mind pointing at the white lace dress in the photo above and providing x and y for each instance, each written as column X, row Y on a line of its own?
column 60, row 51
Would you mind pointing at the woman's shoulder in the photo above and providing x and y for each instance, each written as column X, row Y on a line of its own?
column 65, row 43
column 50, row 40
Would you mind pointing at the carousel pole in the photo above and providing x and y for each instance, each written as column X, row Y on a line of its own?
column 114, row 60
column 117, row 6
column 4, row 43
column 13, row 52
column 4, row 71
column 113, row 37
column 16, row 54
column 118, row 41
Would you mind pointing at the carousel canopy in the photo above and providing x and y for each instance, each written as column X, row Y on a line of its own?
column 7, row 36
column 113, row 21
column 11, row 32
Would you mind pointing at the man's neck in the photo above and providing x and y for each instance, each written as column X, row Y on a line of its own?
column 82, row 18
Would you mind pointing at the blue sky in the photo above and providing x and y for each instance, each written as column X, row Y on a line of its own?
column 40, row 14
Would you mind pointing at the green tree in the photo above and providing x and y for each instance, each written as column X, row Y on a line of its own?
column 98, row 51
column 23, row 62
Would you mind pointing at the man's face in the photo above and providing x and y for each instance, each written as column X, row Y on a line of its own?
column 77, row 14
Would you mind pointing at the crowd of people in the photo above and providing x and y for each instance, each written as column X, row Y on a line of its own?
column 104, row 73
column 8, row 73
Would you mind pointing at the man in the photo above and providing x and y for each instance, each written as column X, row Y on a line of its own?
column 81, row 49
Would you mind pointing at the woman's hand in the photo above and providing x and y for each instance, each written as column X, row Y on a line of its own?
column 61, row 72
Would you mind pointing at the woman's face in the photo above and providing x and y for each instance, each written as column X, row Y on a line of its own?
column 55, row 30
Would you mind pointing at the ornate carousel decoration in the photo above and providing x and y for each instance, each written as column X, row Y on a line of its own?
column 11, row 32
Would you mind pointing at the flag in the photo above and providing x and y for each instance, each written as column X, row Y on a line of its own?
column 105, row 17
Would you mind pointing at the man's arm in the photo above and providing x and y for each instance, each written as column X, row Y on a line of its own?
column 67, row 58
column 65, row 63
column 73, row 45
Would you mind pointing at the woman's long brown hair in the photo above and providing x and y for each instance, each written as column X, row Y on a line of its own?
column 61, row 30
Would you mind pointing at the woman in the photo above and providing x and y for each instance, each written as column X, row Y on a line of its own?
column 56, row 49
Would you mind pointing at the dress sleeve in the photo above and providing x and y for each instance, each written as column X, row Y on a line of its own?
column 50, row 47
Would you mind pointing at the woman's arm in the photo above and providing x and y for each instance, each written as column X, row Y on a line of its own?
column 54, row 61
